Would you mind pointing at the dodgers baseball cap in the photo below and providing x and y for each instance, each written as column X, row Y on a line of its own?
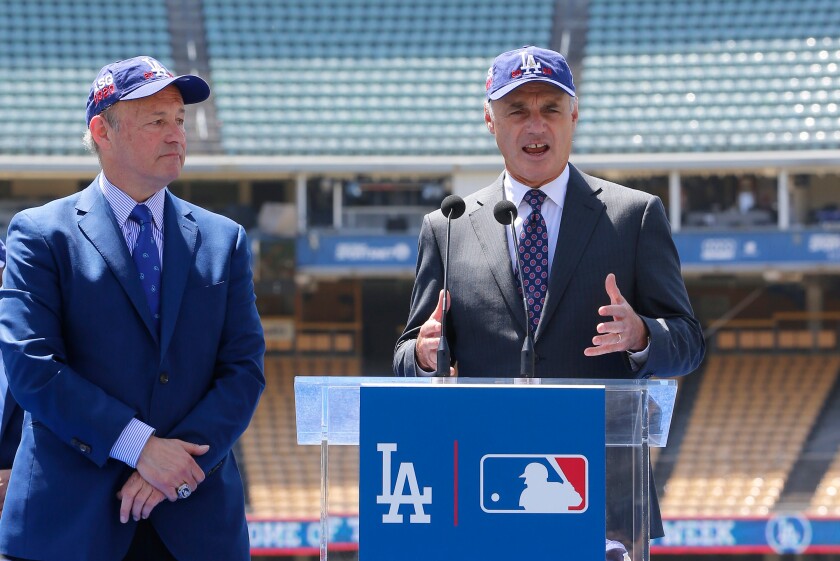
column 139, row 77
column 528, row 64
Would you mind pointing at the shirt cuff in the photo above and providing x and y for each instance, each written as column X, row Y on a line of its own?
column 639, row 358
column 423, row 373
column 133, row 438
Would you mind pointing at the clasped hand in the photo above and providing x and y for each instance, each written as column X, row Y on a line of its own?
column 163, row 466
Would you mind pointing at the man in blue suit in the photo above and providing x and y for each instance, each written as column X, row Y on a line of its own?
column 130, row 336
column 10, row 428
column 11, row 419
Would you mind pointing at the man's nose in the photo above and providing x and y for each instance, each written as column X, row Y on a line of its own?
column 536, row 123
column 176, row 133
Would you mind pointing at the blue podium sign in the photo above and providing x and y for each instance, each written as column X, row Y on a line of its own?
column 456, row 473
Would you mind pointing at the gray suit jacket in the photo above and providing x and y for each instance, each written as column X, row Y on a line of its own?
column 605, row 228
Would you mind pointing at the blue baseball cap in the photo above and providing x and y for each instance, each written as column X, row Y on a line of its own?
column 528, row 64
column 136, row 78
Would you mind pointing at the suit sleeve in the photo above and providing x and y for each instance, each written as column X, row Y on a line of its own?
column 677, row 345
column 424, row 298
column 77, row 411
column 225, row 411
column 12, row 422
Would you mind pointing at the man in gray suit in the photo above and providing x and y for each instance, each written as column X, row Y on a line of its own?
column 602, row 274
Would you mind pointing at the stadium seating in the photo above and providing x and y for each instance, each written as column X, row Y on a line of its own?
column 749, row 424
column 376, row 77
column 710, row 76
column 50, row 51
column 826, row 499
column 361, row 77
column 284, row 478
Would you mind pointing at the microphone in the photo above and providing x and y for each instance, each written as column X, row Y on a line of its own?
column 505, row 213
column 452, row 207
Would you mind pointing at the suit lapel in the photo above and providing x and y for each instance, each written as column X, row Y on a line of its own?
column 581, row 211
column 98, row 224
column 494, row 244
column 179, row 239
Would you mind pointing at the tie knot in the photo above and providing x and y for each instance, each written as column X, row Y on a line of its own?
column 535, row 198
column 141, row 214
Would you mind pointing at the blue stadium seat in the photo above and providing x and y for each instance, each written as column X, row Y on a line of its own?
column 403, row 77
column 736, row 64
column 55, row 42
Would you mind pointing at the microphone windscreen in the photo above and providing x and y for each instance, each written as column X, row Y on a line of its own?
column 505, row 212
column 453, row 206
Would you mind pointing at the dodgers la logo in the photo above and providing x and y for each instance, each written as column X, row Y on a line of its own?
column 156, row 67
column 529, row 65
column 396, row 497
column 788, row 533
column 534, row 483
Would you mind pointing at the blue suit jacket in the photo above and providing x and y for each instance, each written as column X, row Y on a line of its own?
column 10, row 423
column 83, row 358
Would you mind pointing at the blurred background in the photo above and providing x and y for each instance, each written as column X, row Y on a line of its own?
column 335, row 125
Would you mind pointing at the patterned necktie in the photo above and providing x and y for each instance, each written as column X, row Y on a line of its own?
column 146, row 258
column 533, row 251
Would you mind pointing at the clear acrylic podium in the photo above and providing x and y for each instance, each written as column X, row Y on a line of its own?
column 637, row 414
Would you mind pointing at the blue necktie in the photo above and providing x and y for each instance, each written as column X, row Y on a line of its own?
column 146, row 258
column 533, row 251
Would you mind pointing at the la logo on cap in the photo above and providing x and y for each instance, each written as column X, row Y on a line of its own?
column 157, row 69
column 529, row 64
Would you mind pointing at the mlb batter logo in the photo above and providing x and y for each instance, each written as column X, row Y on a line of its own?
column 534, row 484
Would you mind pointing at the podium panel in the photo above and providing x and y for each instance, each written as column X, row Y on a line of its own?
column 637, row 415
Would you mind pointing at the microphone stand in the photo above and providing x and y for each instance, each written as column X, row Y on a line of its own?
column 443, row 355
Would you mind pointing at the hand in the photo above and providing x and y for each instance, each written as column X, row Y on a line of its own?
column 625, row 332
column 425, row 349
column 167, row 463
column 4, row 486
column 138, row 498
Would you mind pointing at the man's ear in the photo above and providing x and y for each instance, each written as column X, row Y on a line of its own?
column 100, row 131
column 488, row 118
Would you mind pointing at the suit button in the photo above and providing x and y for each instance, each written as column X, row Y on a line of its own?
column 81, row 446
column 164, row 378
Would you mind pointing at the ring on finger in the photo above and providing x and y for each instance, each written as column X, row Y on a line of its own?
column 184, row 491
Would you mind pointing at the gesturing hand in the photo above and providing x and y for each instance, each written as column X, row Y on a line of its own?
column 625, row 332
column 425, row 349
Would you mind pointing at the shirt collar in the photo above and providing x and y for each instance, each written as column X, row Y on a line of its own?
column 554, row 190
column 122, row 204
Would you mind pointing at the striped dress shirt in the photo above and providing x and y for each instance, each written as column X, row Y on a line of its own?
column 136, row 433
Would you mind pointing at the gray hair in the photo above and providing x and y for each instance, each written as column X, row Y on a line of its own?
column 110, row 115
